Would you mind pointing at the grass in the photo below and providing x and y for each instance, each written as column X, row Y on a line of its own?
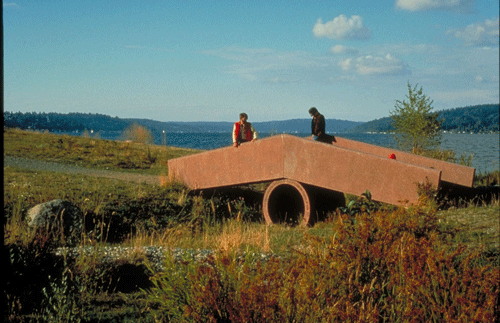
column 391, row 265
column 91, row 152
column 97, row 198
column 475, row 225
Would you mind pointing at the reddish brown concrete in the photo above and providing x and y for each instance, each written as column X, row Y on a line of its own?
column 347, row 166
column 252, row 162
column 354, row 172
column 450, row 172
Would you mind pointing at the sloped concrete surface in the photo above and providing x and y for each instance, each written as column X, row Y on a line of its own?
column 345, row 166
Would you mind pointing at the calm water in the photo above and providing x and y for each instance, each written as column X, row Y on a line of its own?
column 484, row 147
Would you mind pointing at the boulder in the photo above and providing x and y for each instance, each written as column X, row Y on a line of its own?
column 54, row 216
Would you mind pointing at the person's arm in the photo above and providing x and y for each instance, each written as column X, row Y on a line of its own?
column 254, row 133
column 235, row 140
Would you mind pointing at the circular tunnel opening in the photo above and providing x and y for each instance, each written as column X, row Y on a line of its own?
column 286, row 202
column 286, row 205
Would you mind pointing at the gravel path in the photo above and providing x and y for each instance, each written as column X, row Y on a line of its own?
column 38, row 165
column 155, row 254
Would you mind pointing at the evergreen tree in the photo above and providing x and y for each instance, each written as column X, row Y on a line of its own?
column 416, row 126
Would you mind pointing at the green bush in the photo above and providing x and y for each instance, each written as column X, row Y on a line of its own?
column 360, row 204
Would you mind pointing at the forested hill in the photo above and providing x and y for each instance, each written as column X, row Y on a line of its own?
column 476, row 119
column 480, row 118
column 79, row 122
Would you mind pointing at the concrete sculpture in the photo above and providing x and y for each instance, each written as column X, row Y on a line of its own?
column 308, row 176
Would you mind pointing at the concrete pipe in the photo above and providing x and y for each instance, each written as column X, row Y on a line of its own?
column 290, row 202
column 286, row 201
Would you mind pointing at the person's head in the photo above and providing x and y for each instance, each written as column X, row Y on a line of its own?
column 243, row 117
column 313, row 111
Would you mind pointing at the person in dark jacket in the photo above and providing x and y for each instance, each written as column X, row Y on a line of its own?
column 317, row 124
column 318, row 127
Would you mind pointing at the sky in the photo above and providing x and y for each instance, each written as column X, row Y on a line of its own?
column 210, row 60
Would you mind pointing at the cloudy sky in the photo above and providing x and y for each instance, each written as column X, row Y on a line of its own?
column 210, row 60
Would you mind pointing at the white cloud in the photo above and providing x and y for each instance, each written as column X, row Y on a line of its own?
column 370, row 65
column 461, row 6
column 148, row 48
column 9, row 5
column 342, row 28
column 341, row 49
column 346, row 64
column 268, row 65
column 404, row 49
column 479, row 34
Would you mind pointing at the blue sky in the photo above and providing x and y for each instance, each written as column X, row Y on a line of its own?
column 210, row 60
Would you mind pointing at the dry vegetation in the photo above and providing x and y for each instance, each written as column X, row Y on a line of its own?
column 390, row 265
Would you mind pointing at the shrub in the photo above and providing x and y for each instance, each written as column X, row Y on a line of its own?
column 487, row 179
column 138, row 133
column 29, row 264
column 392, row 267
column 218, row 289
column 382, row 267
column 360, row 204
column 114, row 220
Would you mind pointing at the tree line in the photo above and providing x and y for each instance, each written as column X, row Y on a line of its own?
column 477, row 119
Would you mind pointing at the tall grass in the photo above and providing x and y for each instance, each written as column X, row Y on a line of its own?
column 385, row 267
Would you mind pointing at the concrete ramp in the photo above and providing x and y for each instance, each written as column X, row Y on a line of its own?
column 345, row 166
column 451, row 173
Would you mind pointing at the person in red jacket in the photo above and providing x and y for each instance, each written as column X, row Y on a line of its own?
column 243, row 131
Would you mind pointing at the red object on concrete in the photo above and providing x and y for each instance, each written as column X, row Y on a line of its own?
column 392, row 156
column 344, row 166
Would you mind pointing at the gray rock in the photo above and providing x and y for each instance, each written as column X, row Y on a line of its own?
column 54, row 216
